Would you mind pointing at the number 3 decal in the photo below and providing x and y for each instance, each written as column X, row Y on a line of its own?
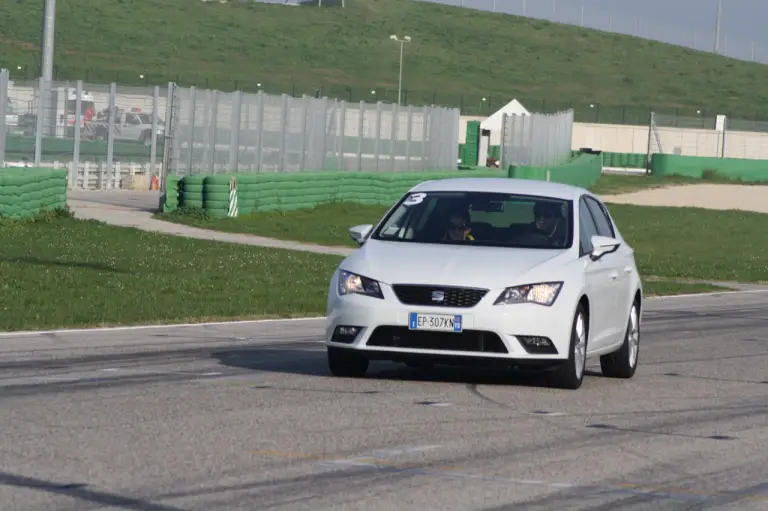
column 415, row 198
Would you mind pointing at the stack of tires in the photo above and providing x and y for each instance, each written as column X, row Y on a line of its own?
column 26, row 192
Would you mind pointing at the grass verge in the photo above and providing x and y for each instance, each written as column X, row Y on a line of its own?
column 61, row 272
column 654, row 287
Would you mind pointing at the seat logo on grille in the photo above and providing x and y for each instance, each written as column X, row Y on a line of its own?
column 438, row 296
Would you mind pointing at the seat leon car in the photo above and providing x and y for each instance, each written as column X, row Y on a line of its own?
column 497, row 272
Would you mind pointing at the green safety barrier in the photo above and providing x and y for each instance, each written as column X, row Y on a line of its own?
column 27, row 192
column 257, row 192
column 583, row 170
column 698, row 166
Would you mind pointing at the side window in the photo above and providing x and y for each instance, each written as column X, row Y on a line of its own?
column 602, row 220
column 587, row 228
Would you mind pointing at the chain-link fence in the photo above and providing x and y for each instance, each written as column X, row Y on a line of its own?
column 214, row 132
column 709, row 136
column 536, row 139
column 107, row 136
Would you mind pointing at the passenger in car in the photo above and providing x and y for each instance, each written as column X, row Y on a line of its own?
column 549, row 222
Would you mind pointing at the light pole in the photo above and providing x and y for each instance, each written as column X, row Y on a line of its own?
column 405, row 39
column 46, row 53
column 717, row 25
column 45, row 111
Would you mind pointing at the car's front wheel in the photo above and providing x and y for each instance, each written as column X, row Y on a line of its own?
column 570, row 375
column 346, row 363
column 623, row 363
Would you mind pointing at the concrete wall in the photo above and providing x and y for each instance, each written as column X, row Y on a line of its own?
column 617, row 138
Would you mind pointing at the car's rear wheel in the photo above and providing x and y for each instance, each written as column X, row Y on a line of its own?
column 346, row 363
column 570, row 375
column 623, row 363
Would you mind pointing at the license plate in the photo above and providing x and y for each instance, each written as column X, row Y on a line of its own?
column 439, row 322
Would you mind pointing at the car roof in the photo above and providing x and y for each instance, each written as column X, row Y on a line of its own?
column 503, row 185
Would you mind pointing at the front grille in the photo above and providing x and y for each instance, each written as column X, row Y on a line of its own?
column 469, row 340
column 463, row 297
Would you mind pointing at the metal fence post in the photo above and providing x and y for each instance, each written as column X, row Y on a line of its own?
column 456, row 115
column 192, row 110
column 503, row 141
column 168, row 137
column 324, row 135
column 408, row 134
column 395, row 117
column 342, row 131
column 377, row 142
column 111, row 169
column 77, row 136
column 41, row 95
column 360, row 128
column 305, row 133
column 210, row 125
column 259, row 129
column 234, row 135
column 283, row 131
column 4, row 75
column 153, row 144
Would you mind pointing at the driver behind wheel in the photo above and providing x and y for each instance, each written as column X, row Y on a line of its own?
column 458, row 227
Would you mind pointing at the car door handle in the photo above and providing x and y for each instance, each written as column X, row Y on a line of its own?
column 614, row 275
column 628, row 269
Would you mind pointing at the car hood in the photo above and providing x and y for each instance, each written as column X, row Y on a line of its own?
column 393, row 262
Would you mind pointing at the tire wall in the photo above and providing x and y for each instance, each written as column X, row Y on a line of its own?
column 171, row 199
column 27, row 192
column 258, row 192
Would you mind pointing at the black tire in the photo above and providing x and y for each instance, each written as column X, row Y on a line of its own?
column 570, row 375
column 623, row 363
column 347, row 364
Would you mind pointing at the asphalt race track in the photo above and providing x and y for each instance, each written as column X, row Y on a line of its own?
column 245, row 416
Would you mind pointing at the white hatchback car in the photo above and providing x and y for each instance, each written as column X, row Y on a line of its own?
column 508, row 272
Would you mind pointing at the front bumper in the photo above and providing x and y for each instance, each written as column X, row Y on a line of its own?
column 379, row 328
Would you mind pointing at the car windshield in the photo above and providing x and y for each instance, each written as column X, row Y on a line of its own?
column 480, row 218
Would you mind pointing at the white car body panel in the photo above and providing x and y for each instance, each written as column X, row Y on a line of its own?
column 610, row 284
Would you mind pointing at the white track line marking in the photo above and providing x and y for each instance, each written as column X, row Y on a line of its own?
column 156, row 327
column 292, row 320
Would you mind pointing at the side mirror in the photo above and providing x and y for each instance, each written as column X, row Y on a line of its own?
column 360, row 233
column 602, row 245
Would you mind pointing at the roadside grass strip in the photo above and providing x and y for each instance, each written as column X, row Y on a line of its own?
column 60, row 272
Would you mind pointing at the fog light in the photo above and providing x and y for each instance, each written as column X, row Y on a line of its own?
column 536, row 341
column 537, row 344
column 345, row 334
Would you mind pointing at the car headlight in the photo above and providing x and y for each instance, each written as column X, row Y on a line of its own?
column 351, row 283
column 544, row 293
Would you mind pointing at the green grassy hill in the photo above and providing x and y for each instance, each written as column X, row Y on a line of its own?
column 457, row 57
